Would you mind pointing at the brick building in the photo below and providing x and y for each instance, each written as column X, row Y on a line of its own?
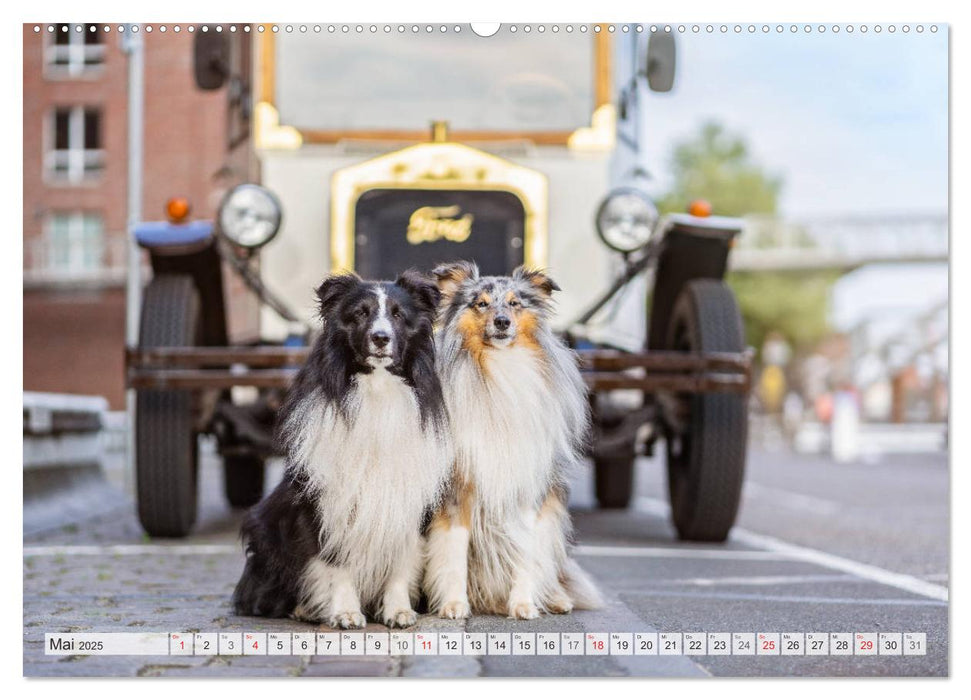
column 75, row 188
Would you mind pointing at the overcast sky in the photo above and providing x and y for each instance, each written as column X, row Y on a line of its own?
column 854, row 123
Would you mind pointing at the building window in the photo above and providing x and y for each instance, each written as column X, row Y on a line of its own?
column 74, row 244
column 72, row 53
column 76, row 151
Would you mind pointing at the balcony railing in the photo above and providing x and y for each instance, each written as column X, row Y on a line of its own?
column 44, row 266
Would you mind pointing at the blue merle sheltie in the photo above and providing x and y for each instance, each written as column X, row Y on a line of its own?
column 519, row 417
column 364, row 431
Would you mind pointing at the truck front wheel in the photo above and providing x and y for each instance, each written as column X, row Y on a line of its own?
column 706, row 456
column 166, row 444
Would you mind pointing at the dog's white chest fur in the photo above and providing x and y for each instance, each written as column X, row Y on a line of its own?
column 374, row 472
column 506, row 428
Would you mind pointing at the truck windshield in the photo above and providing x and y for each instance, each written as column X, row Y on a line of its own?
column 401, row 80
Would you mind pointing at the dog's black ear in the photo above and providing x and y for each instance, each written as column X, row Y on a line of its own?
column 450, row 276
column 421, row 288
column 537, row 278
column 332, row 289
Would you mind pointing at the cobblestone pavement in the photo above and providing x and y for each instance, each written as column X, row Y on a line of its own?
column 104, row 575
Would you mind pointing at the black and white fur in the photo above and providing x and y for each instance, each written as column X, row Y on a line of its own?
column 364, row 430
column 518, row 411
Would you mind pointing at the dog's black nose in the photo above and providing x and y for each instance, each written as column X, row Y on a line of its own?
column 380, row 338
column 502, row 322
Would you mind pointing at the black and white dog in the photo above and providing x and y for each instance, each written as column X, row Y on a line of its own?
column 518, row 413
column 364, row 429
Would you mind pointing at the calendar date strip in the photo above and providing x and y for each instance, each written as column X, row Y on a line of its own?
column 487, row 644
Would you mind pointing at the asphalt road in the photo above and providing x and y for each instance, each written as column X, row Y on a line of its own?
column 819, row 547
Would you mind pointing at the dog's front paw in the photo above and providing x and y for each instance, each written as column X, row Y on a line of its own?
column 454, row 610
column 351, row 620
column 401, row 618
column 523, row 611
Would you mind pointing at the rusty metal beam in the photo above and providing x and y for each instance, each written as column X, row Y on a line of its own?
column 679, row 383
column 262, row 356
column 275, row 367
column 267, row 356
column 613, row 360
column 281, row 378
column 209, row 378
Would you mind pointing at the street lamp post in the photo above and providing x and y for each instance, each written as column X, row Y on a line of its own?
column 133, row 45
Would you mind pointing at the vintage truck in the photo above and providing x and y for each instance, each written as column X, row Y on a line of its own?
column 512, row 189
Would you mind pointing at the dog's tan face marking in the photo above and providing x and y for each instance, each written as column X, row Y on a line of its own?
column 525, row 321
column 472, row 325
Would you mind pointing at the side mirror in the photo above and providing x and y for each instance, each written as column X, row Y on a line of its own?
column 660, row 64
column 210, row 59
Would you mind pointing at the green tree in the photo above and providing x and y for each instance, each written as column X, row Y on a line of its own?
column 795, row 305
column 716, row 165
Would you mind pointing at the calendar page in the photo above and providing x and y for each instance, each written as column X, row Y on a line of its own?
column 517, row 349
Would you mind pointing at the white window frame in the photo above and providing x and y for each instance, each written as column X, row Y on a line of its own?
column 81, row 163
column 77, row 53
column 78, row 263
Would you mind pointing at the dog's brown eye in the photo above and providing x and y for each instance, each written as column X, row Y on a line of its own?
column 481, row 305
column 514, row 302
column 396, row 313
column 362, row 312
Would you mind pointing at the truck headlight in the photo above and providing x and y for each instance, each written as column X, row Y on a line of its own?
column 626, row 219
column 249, row 216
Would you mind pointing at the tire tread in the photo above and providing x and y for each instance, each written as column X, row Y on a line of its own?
column 717, row 462
column 166, row 449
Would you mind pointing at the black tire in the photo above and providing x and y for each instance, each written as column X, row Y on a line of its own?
column 244, row 476
column 614, row 481
column 166, row 445
column 706, row 463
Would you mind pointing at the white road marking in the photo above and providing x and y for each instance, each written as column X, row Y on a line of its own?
column 877, row 574
column 98, row 550
column 911, row 584
column 770, row 598
column 590, row 550
column 760, row 580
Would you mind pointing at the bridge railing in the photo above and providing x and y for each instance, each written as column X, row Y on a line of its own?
column 769, row 243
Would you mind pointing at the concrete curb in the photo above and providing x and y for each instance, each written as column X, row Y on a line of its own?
column 65, row 446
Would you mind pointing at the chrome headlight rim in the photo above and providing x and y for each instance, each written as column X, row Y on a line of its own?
column 275, row 220
column 651, row 209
